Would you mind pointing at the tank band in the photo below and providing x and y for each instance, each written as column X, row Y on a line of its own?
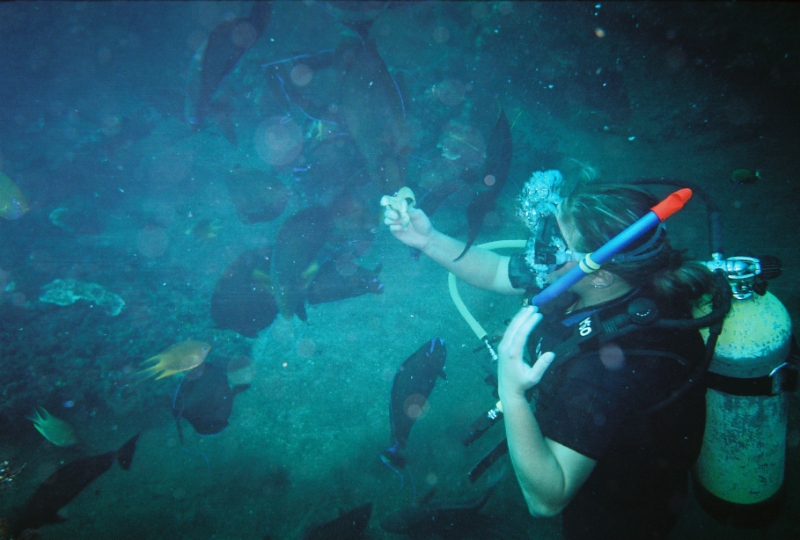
column 782, row 379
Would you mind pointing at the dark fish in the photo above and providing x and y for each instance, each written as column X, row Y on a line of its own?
column 745, row 176
column 224, row 47
column 372, row 109
column 242, row 300
column 298, row 241
column 206, row 402
column 66, row 483
column 257, row 195
column 348, row 526
column 339, row 280
column 499, row 151
column 413, row 383
column 439, row 520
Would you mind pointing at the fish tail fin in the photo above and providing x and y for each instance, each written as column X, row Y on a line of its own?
column 394, row 455
column 125, row 453
column 147, row 373
column 466, row 248
column 36, row 417
column 167, row 373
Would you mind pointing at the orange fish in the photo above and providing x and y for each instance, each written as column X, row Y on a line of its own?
column 180, row 357
column 13, row 204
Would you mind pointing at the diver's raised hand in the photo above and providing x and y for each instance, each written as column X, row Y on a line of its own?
column 514, row 375
column 415, row 233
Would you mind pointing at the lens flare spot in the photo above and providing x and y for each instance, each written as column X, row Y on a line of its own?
column 152, row 241
column 244, row 35
column 301, row 75
column 441, row 34
column 489, row 180
column 279, row 141
column 416, row 406
column 306, row 347
column 612, row 357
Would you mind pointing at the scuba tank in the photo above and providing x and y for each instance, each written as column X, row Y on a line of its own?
column 739, row 476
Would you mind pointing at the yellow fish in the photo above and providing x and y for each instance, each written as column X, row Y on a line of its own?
column 180, row 357
column 13, row 204
column 53, row 429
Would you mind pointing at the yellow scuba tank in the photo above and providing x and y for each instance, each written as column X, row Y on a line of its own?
column 739, row 476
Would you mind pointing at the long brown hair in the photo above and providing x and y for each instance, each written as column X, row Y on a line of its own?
column 598, row 212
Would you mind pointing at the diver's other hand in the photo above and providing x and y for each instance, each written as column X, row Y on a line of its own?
column 514, row 375
column 414, row 234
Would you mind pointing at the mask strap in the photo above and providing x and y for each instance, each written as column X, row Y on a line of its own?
column 642, row 252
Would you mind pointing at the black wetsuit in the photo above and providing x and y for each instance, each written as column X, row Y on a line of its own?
column 593, row 403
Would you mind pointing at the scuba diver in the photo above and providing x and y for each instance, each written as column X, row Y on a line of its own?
column 617, row 422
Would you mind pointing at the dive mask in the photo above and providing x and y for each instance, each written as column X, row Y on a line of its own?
column 546, row 250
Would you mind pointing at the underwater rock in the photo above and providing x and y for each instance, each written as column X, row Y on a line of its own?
column 64, row 292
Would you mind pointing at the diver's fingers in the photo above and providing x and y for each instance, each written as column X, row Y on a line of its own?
column 391, row 213
column 540, row 366
column 518, row 330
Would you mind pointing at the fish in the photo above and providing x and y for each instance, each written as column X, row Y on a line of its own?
column 203, row 229
column 745, row 176
column 413, row 383
column 66, row 483
column 242, row 300
column 372, row 108
column 499, row 152
column 297, row 244
column 180, row 357
column 55, row 430
column 336, row 281
column 348, row 526
column 13, row 204
column 257, row 195
column 442, row 520
column 217, row 57
column 206, row 402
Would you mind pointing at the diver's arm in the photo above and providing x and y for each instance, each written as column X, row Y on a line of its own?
column 549, row 473
column 479, row 267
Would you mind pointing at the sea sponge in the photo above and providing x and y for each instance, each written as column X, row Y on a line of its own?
column 64, row 292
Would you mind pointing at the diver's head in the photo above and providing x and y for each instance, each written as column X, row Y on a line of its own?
column 597, row 213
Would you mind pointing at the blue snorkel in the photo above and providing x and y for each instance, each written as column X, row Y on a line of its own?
column 593, row 261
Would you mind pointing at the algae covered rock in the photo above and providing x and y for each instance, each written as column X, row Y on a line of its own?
column 64, row 292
